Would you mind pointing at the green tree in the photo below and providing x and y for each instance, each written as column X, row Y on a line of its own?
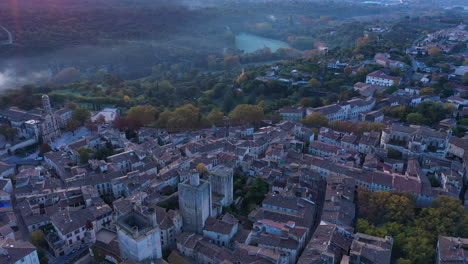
column 72, row 125
column 42, row 256
column 81, row 115
column 8, row 132
column 256, row 191
column 84, row 154
column 37, row 238
column 216, row 117
column 315, row 119
column 416, row 118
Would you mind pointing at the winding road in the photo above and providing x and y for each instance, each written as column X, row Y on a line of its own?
column 10, row 37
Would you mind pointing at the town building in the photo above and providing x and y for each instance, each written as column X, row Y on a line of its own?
column 382, row 79
column 195, row 202
column 139, row 235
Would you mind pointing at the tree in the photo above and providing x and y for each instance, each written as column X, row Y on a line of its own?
column 72, row 125
column 306, row 102
column 362, row 71
column 67, row 75
column 369, row 127
column 8, row 132
column 426, row 91
column 231, row 62
column 125, row 123
column 315, row 119
column 433, row 51
column 400, row 209
column 37, row 238
column 187, row 117
column 314, row 83
column 100, row 119
column 146, row 114
column 246, row 114
column 256, row 191
column 216, row 117
column 416, row 118
column 163, row 119
column 84, row 154
column 81, row 115
column 71, row 105
column 201, row 168
column 465, row 78
column 450, row 107
column 42, row 256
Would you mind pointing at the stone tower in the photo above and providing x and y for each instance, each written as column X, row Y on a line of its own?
column 46, row 104
column 139, row 235
column 222, row 184
column 195, row 202
column 50, row 129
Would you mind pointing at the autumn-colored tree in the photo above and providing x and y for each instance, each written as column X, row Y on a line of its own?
column 362, row 71
column 426, row 91
column 315, row 119
column 146, row 114
column 343, row 126
column 231, row 62
column 348, row 70
column 125, row 123
column 163, row 119
column 314, row 83
column 44, row 148
column 400, row 209
column 201, row 168
column 246, row 114
column 362, row 41
column 450, row 107
column 216, row 117
column 187, row 117
column 100, row 119
column 433, row 51
column 306, row 102
column 369, row 127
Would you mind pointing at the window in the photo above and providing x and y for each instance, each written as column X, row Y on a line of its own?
column 69, row 235
column 70, row 242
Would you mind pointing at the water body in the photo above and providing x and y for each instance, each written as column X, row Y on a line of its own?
column 250, row 43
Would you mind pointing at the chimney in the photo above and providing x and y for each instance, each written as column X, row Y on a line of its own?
column 195, row 178
column 151, row 213
column 136, row 233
